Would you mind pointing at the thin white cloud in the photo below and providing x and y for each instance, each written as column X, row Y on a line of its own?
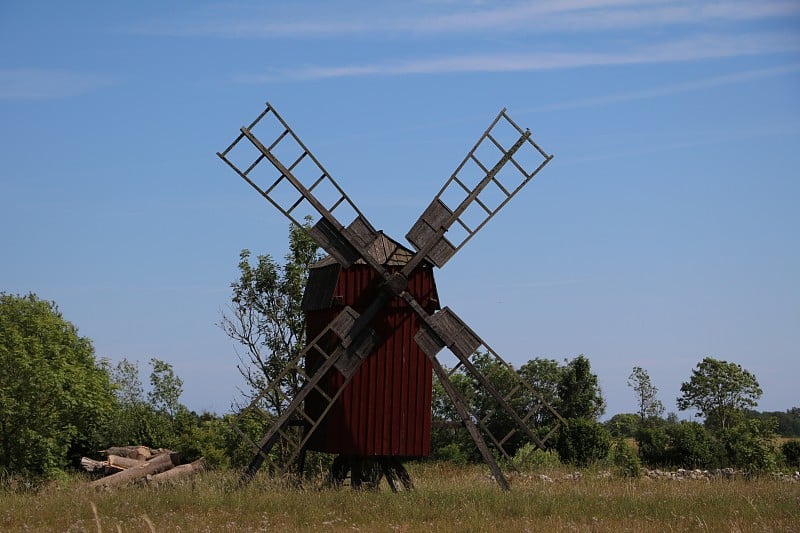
column 692, row 49
column 592, row 15
column 47, row 84
column 530, row 17
column 677, row 88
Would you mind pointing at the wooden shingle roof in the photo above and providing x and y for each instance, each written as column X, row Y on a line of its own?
column 385, row 250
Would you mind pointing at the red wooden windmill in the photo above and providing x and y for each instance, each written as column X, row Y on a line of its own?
column 373, row 321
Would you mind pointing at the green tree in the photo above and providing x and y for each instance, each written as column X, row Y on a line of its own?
column 166, row 388
column 135, row 420
column 450, row 440
column 652, row 445
column 544, row 375
column 583, row 441
column 155, row 420
column 719, row 391
column 750, row 444
column 791, row 453
column 266, row 318
column 579, row 394
column 690, row 446
column 55, row 397
column 623, row 424
column 572, row 389
column 788, row 421
column 127, row 383
column 625, row 459
column 650, row 406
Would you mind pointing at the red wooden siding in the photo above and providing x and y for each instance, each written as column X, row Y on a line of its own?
column 386, row 408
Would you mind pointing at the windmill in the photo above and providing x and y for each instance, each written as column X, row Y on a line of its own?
column 348, row 403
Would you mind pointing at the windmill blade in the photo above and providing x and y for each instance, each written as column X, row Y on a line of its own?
column 480, row 186
column 518, row 401
column 285, row 172
column 298, row 421
column 468, row 420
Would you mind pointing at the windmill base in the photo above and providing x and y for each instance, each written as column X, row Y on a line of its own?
column 367, row 472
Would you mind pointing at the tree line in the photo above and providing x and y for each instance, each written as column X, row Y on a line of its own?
column 58, row 401
column 267, row 321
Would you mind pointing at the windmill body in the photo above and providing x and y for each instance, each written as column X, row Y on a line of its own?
column 385, row 409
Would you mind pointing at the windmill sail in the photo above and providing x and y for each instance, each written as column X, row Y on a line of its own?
column 288, row 175
column 478, row 189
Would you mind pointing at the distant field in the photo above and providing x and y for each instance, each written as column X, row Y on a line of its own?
column 446, row 498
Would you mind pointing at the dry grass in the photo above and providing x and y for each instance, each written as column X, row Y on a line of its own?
column 446, row 499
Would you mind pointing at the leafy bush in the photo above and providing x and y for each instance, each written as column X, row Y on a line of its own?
column 530, row 457
column 623, row 424
column 791, row 452
column 203, row 436
column 583, row 442
column 750, row 445
column 453, row 453
column 690, row 445
column 652, row 443
column 625, row 459
column 55, row 397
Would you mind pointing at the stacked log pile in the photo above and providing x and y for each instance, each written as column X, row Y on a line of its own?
column 126, row 464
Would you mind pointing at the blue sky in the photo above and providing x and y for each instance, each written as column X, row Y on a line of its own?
column 663, row 231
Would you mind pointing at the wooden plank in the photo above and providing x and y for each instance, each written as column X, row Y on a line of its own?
column 320, row 287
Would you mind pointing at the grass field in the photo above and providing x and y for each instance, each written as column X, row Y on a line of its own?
column 446, row 498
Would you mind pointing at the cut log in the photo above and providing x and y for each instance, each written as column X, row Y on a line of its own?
column 158, row 464
column 123, row 463
column 90, row 465
column 179, row 472
column 142, row 453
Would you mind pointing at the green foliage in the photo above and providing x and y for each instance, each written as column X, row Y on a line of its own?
column 623, row 425
column 625, row 460
column 791, row 453
column 690, row 446
column 266, row 317
column 750, row 445
column 530, row 457
column 204, row 435
column 720, row 391
column 652, row 443
column 571, row 387
column 484, row 406
column 54, row 396
column 449, row 438
column 237, row 448
column 583, row 442
column 788, row 421
column 544, row 375
column 579, row 394
column 152, row 421
column 650, row 407
column 453, row 453
column 166, row 388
